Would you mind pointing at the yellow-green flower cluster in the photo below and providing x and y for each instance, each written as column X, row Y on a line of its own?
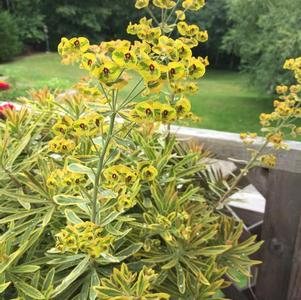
column 248, row 137
column 62, row 179
column 88, row 125
column 84, row 237
column 124, row 181
column 193, row 4
column 155, row 111
column 166, row 65
column 191, row 34
column 157, row 58
column 150, row 111
column 68, row 130
column 91, row 93
column 295, row 66
column 71, row 49
column 147, row 171
column 184, row 87
column 287, row 108
column 169, row 4
column 119, row 175
column 61, row 145
column 268, row 160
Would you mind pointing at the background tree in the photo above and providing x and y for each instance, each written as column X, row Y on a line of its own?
column 11, row 44
column 28, row 18
column 263, row 33
column 96, row 19
column 213, row 18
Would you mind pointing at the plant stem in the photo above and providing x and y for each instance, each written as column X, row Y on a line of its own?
column 243, row 173
column 172, row 11
column 101, row 162
column 125, row 103
column 132, row 91
column 152, row 15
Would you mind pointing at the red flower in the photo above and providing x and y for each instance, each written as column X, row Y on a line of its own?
column 4, row 86
column 4, row 107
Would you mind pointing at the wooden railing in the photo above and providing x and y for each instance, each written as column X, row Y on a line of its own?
column 279, row 276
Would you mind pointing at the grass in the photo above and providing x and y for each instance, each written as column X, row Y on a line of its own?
column 37, row 71
column 228, row 103
column 225, row 101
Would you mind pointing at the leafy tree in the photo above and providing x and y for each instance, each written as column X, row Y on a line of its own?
column 8, row 34
column 28, row 18
column 264, row 34
column 213, row 18
column 96, row 19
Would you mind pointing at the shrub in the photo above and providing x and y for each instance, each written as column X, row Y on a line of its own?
column 11, row 44
column 98, row 203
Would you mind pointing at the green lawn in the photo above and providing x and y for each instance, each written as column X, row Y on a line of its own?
column 225, row 101
column 228, row 103
column 37, row 71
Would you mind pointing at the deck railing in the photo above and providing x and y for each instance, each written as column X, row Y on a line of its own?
column 279, row 276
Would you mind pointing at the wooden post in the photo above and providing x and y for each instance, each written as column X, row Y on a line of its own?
column 294, row 292
column 234, row 293
column 280, row 229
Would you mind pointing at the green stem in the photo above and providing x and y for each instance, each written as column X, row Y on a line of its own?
column 176, row 21
column 152, row 15
column 125, row 103
column 101, row 163
column 132, row 91
column 172, row 11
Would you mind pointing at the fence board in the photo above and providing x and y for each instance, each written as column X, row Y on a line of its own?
column 295, row 278
column 280, row 227
column 228, row 145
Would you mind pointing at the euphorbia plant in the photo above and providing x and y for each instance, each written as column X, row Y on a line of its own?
column 96, row 201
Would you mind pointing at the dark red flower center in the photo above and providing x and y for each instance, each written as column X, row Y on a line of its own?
column 172, row 71
column 152, row 67
column 106, row 70
column 128, row 56
column 76, row 43
column 148, row 111
column 165, row 113
column 90, row 62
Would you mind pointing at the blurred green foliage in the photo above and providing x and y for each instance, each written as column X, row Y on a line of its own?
column 264, row 33
column 10, row 43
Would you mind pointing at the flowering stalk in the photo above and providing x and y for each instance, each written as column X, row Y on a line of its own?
column 287, row 111
column 243, row 172
column 102, row 155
